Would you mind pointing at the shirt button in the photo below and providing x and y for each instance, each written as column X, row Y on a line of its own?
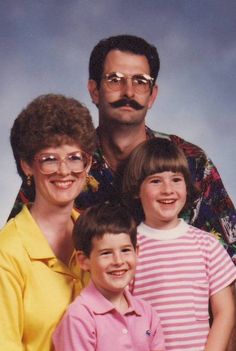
column 124, row 331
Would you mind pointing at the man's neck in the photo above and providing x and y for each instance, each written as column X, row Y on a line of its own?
column 118, row 143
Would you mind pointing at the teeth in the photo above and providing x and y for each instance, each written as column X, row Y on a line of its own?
column 167, row 201
column 117, row 273
column 63, row 184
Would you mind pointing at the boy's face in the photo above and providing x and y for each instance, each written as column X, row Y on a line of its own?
column 163, row 195
column 112, row 263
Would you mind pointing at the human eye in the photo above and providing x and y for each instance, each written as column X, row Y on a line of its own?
column 115, row 78
column 105, row 253
column 178, row 178
column 140, row 80
column 126, row 250
column 155, row 181
column 75, row 157
column 46, row 159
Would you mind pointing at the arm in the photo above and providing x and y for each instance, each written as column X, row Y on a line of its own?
column 11, row 305
column 222, row 305
column 232, row 344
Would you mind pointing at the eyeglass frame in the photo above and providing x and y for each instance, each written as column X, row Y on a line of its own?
column 59, row 160
column 120, row 75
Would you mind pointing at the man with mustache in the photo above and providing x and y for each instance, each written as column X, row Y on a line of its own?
column 122, row 83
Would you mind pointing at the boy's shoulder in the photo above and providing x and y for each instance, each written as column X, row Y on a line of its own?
column 90, row 301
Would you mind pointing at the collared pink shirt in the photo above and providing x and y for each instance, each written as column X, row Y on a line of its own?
column 92, row 323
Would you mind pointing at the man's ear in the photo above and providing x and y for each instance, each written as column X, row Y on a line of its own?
column 82, row 260
column 27, row 169
column 93, row 91
column 153, row 96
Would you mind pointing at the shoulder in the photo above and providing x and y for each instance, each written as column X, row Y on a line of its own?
column 79, row 311
column 209, row 244
column 9, row 238
column 189, row 149
column 14, row 260
column 205, row 238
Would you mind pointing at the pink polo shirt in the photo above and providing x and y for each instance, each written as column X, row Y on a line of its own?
column 92, row 323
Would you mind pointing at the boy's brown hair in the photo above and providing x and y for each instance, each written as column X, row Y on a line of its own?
column 95, row 221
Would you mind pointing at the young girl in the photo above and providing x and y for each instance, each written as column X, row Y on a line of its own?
column 180, row 268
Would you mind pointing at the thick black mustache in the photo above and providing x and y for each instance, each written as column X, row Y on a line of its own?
column 127, row 102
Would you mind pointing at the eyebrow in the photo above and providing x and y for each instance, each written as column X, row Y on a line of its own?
column 121, row 247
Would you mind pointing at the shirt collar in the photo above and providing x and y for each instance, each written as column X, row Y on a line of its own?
column 100, row 305
column 32, row 237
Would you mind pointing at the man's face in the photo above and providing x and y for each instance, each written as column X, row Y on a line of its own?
column 129, row 65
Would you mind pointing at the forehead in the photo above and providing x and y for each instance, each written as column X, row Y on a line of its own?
column 165, row 175
column 126, row 62
column 61, row 149
column 112, row 241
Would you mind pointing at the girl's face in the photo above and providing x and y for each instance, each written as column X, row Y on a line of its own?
column 58, row 174
column 163, row 195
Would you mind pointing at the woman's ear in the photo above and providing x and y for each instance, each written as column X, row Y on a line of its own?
column 89, row 164
column 82, row 260
column 27, row 169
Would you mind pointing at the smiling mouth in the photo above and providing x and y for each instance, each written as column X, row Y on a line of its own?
column 118, row 273
column 63, row 184
column 167, row 202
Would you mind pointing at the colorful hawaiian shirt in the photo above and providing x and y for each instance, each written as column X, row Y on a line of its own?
column 213, row 210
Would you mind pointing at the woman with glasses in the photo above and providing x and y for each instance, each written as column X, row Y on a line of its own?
column 52, row 142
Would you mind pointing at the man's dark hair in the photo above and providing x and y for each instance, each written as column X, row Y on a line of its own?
column 107, row 218
column 125, row 43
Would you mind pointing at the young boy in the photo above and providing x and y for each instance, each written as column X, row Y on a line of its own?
column 180, row 268
column 105, row 316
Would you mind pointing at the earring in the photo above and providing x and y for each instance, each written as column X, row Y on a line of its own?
column 91, row 183
column 28, row 180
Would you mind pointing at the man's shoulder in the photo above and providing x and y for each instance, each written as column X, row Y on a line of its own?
column 189, row 148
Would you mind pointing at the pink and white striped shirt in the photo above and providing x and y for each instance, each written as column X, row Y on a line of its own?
column 178, row 270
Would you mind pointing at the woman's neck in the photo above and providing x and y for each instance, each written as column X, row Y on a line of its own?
column 56, row 225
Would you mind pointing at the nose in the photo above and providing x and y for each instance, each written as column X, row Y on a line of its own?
column 167, row 187
column 63, row 169
column 128, row 88
column 118, row 258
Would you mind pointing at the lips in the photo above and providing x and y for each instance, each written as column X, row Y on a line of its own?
column 118, row 273
column 167, row 202
column 63, row 184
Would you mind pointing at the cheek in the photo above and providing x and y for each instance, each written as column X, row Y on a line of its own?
column 184, row 193
column 147, row 194
column 108, row 96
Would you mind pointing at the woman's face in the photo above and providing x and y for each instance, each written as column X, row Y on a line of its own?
column 59, row 174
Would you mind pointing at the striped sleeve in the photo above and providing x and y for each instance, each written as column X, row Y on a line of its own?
column 221, row 270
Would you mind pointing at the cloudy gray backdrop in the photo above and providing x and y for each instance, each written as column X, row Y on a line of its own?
column 45, row 46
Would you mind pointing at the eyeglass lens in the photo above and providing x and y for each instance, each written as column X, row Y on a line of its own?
column 117, row 81
column 50, row 163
